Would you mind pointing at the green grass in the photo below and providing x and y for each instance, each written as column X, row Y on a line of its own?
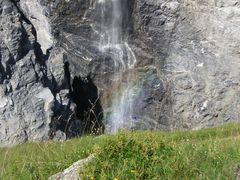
column 206, row 154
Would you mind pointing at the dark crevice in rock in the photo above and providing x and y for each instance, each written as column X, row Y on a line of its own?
column 68, row 76
column 128, row 23
column 64, row 120
column 6, row 69
column 2, row 73
column 48, row 52
column 87, row 116
column 24, row 18
column 89, row 109
column 26, row 45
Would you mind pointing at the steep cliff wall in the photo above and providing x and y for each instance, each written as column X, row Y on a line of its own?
column 196, row 45
column 187, row 73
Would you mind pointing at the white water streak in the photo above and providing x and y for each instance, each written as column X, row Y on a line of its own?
column 112, row 41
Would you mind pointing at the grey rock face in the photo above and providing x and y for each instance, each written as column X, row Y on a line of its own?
column 197, row 56
column 35, row 12
column 27, row 101
column 187, row 71
column 25, row 104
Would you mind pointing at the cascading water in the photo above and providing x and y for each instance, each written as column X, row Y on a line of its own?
column 114, row 43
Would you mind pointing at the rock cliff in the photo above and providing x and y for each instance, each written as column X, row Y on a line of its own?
column 187, row 74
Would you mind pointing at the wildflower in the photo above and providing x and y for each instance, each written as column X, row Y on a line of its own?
column 115, row 178
column 133, row 171
column 91, row 178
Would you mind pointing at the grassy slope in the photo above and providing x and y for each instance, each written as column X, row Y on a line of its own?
column 206, row 154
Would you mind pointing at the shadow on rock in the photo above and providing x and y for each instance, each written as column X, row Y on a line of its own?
column 83, row 116
column 89, row 110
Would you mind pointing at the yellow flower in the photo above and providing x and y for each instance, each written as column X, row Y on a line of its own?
column 91, row 178
column 115, row 178
column 133, row 171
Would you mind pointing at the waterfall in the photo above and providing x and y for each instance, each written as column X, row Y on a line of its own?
column 114, row 42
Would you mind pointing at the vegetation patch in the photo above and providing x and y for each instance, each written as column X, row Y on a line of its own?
column 206, row 154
